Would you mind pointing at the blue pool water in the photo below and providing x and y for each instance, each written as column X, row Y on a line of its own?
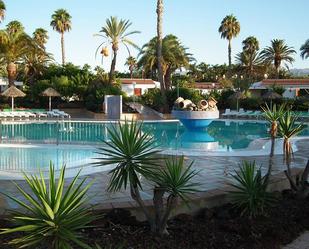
column 57, row 136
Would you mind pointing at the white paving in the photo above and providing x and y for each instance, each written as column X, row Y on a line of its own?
column 302, row 242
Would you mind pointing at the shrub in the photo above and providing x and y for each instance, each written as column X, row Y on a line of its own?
column 54, row 216
column 250, row 190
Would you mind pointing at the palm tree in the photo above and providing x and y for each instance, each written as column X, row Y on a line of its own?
column 250, row 44
column 160, row 10
column 229, row 29
column 14, row 44
column 305, row 50
column 61, row 22
column 131, row 62
column 277, row 53
column 174, row 56
column 2, row 10
column 15, row 26
column 116, row 32
column 250, row 62
column 40, row 36
column 35, row 62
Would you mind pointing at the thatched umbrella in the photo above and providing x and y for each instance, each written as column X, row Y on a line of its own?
column 237, row 95
column 13, row 92
column 271, row 95
column 50, row 92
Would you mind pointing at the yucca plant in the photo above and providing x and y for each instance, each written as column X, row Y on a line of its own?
column 288, row 128
column 174, row 180
column 132, row 151
column 54, row 214
column 272, row 115
column 249, row 192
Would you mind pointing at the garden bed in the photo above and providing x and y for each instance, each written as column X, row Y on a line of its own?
column 220, row 228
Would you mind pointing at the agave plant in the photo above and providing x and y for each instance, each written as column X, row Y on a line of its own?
column 53, row 215
column 250, row 190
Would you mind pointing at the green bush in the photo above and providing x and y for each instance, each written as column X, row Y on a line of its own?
column 96, row 92
column 54, row 216
column 154, row 99
column 250, row 190
column 252, row 103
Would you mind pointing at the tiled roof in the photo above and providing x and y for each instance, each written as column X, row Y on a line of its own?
column 137, row 81
column 207, row 85
column 286, row 82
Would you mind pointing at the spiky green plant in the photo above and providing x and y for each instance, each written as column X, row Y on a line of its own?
column 132, row 151
column 272, row 115
column 250, row 194
column 174, row 180
column 176, row 177
column 288, row 128
column 54, row 215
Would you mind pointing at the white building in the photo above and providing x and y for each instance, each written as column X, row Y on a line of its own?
column 137, row 87
column 291, row 86
column 207, row 87
column 4, row 83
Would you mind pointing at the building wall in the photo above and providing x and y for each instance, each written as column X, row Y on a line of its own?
column 129, row 89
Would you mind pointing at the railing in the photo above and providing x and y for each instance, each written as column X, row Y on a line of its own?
column 59, row 132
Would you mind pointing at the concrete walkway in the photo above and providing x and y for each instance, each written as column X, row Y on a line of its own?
column 302, row 242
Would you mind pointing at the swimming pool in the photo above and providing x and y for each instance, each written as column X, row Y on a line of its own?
column 29, row 145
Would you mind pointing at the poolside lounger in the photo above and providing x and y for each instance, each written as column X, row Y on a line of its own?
column 245, row 114
column 41, row 115
column 227, row 112
column 61, row 113
column 52, row 114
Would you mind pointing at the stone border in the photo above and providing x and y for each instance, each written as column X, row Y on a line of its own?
column 198, row 201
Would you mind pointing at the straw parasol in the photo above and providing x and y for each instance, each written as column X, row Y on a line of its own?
column 13, row 92
column 237, row 95
column 50, row 92
column 271, row 95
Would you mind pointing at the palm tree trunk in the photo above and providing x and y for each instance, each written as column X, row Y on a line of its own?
column 131, row 73
column 230, row 52
column 62, row 49
column 113, row 66
column 159, row 51
column 12, row 72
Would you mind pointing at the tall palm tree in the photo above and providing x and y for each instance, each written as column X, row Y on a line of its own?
column 13, row 46
column 160, row 9
column 40, row 36
column 61, row 22
column 174, row 56
column 229, row 28
column 116, row 32
column 131, row 63
column 277, row 53
column 304, row 50
column 2, row 10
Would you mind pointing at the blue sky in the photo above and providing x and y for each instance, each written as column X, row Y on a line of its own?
column 195, row 22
